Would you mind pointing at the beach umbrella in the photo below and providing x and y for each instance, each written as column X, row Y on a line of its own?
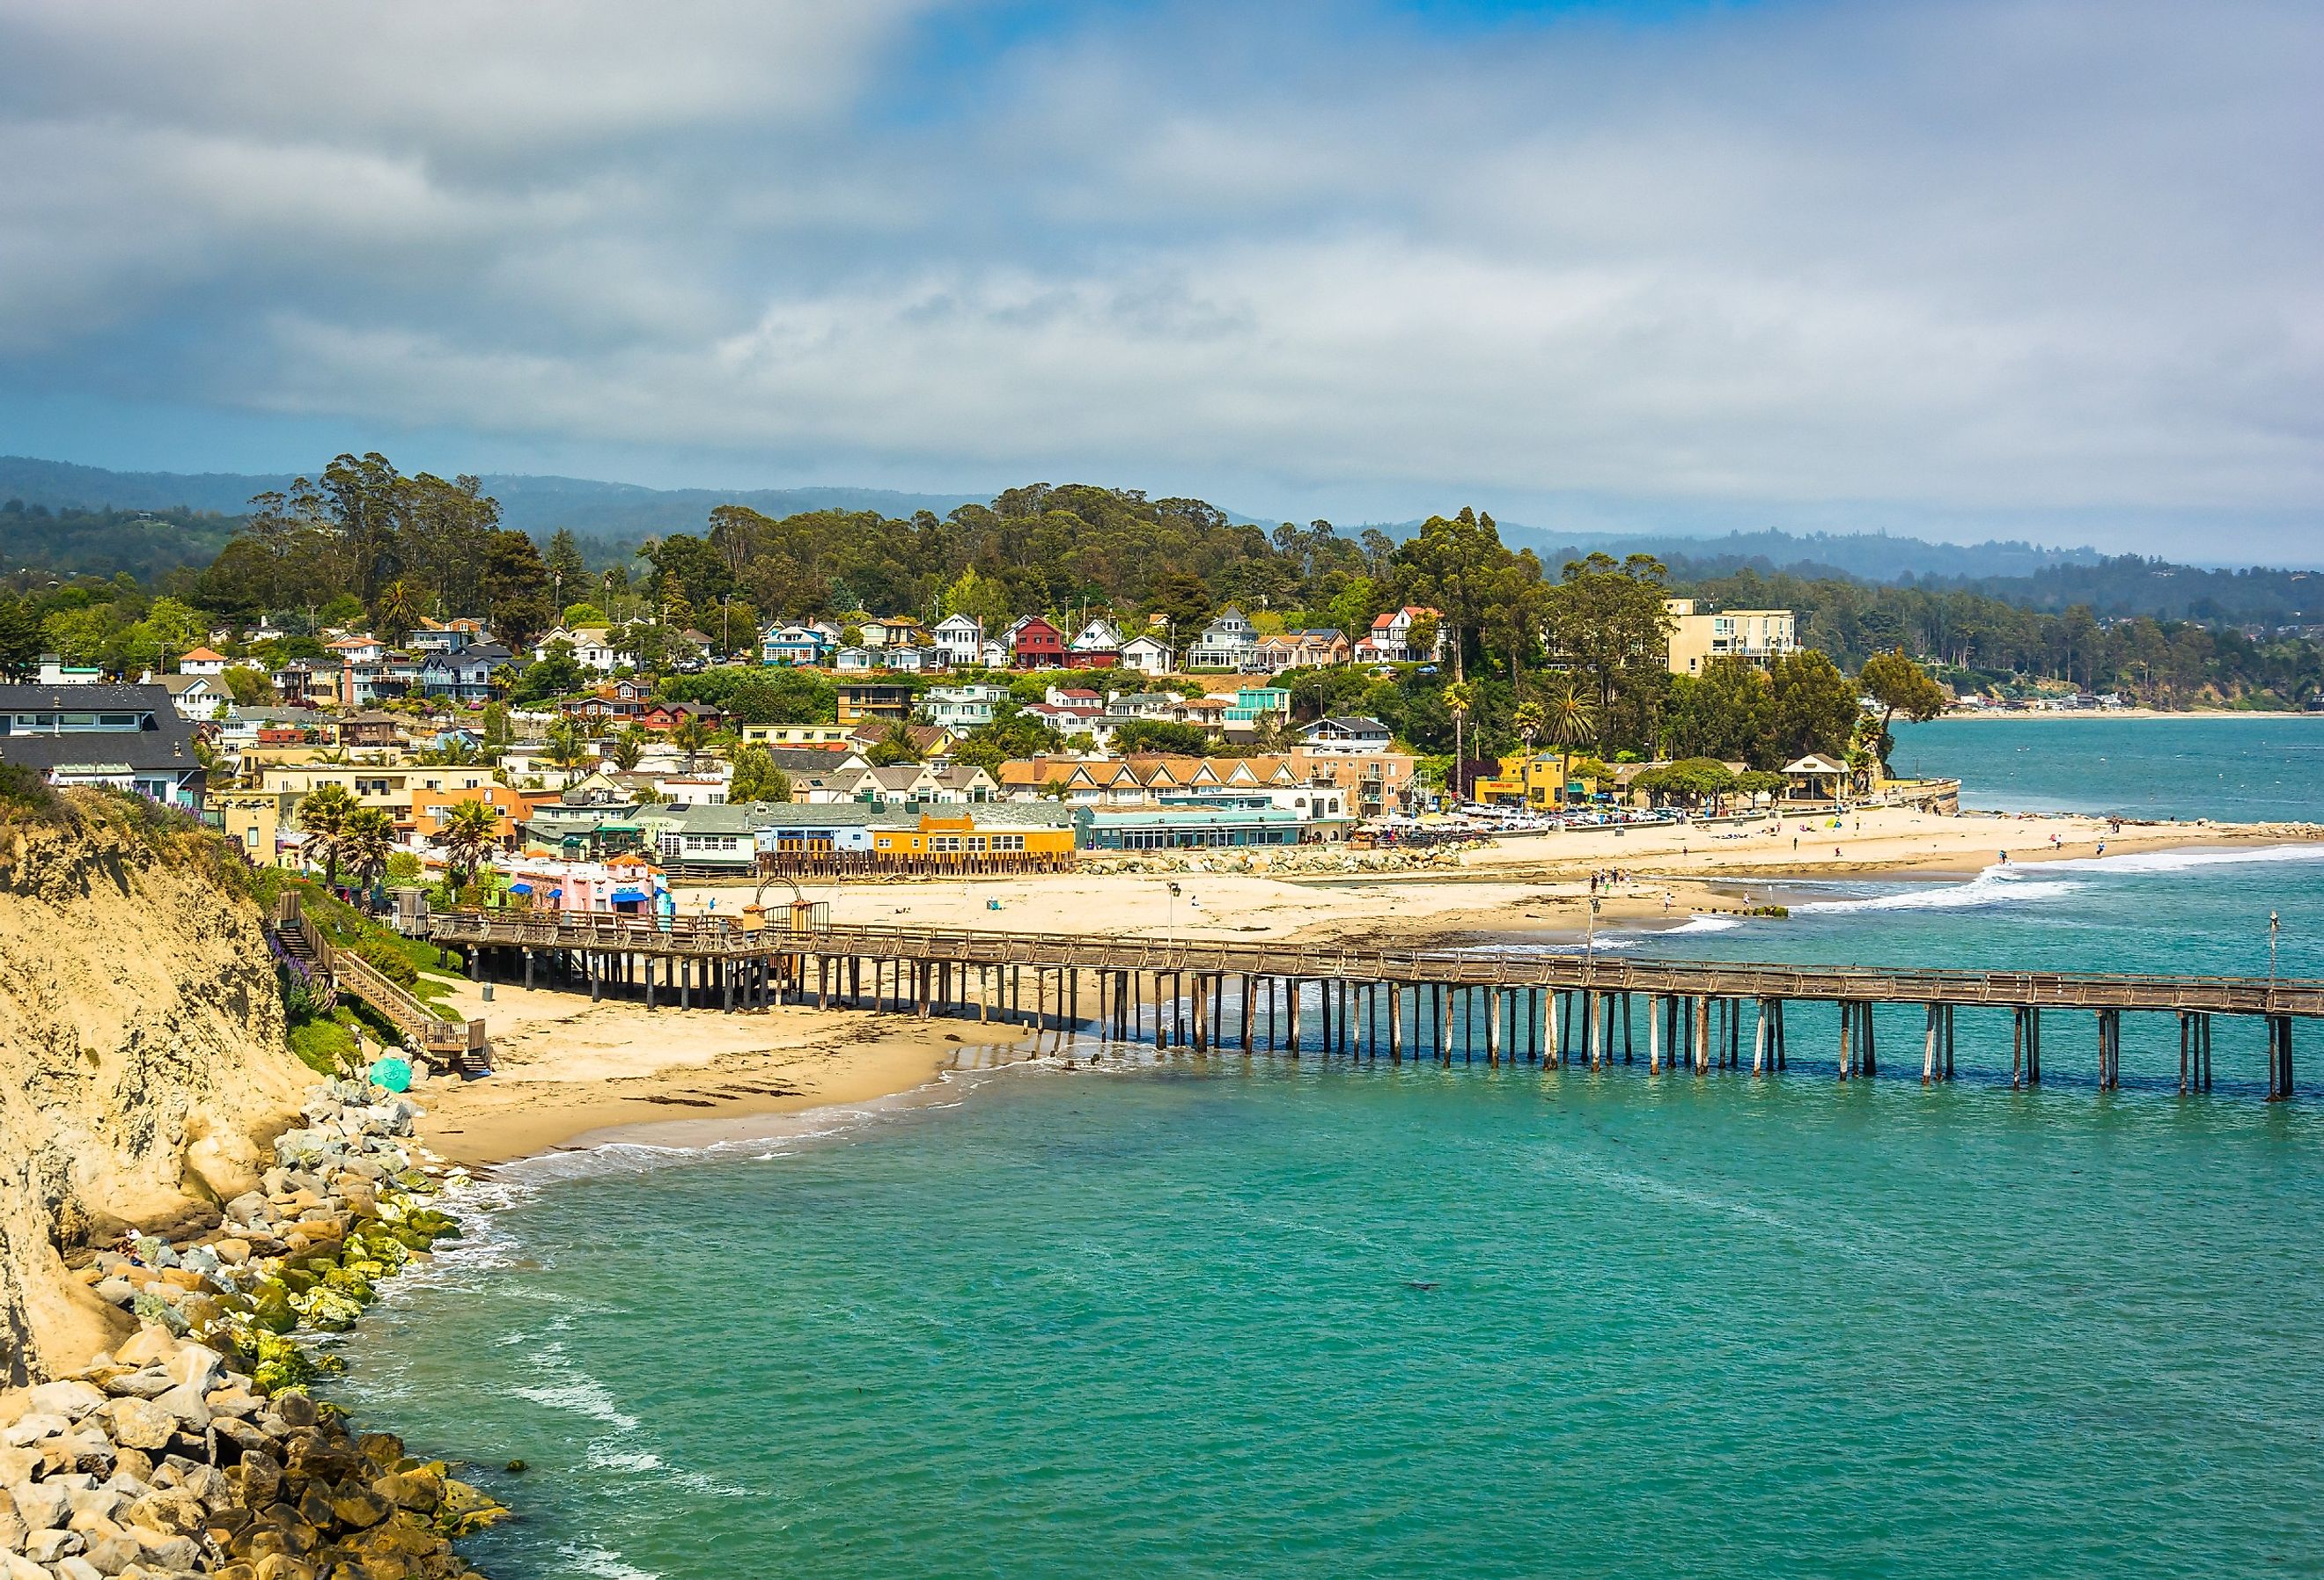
column 393, row 1073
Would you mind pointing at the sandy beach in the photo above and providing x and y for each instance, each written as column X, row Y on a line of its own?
column 566, row 1070
column 1534, row 880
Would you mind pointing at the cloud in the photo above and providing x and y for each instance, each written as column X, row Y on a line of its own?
column 1977, row 263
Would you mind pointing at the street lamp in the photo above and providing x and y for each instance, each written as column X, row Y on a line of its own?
column 1172, row 924
column 2274, row 925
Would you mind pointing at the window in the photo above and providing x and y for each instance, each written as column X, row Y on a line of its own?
column 1008, row 842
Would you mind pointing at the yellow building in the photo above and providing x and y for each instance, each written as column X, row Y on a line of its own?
column 1757, row 636
column 253, row 819
column 832, row 736
column 1536, row 782
column 972, row 833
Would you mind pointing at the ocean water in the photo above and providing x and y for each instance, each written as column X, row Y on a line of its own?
column 2242, row 768
column 1331, row 1318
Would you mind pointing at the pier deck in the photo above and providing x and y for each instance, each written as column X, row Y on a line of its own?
column 1538, row 998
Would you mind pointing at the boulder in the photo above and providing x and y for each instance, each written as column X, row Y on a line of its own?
column 37, row 1426
column 112, row 1554
column 145, row 1383
column 140, row 1423
column 42, row 1504
column 71, row 1398
column 148, row 1346
column 79, row 1568
column 198, row 1366
column 185, row 1402
column 47, row 1547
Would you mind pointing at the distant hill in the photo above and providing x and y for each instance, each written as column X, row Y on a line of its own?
column 614, row 514
column 1858, row 556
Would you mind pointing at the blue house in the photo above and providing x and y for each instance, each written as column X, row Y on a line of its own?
column 465, row 676
column 795, row 645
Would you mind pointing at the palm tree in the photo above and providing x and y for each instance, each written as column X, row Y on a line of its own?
column 568, row 748
column 1571, row 722
column 629, row 747
column 1459, row 701
column 397, row 610
column 468, row 830
column 324, row 814
column 690, row 734
column 370, row 837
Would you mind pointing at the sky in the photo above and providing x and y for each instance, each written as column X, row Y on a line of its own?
column 2047, row 269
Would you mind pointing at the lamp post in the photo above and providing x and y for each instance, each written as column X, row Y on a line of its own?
column 1171, row 926
column 2274, row 926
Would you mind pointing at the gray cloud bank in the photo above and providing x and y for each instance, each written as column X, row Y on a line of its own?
column 1903, row 266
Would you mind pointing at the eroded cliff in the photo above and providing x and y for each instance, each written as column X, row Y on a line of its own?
column 142, row 1056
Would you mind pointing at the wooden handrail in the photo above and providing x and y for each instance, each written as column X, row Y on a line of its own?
column 719, row 938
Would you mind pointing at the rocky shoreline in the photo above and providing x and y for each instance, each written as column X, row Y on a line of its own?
column 194, row 1448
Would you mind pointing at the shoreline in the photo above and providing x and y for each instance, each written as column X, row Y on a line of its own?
column 572, row 1076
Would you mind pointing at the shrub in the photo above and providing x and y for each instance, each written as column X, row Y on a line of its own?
column 389, row 960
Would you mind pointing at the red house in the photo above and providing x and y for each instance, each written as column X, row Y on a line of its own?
column 1036, row 644
column 665, row 716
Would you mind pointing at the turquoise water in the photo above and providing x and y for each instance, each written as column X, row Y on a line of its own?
column 1161, row 1318
column 2238, row 769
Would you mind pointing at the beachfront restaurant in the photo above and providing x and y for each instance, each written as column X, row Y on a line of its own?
column 1178, row 828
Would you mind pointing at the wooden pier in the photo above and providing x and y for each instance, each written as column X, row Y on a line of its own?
column 1552, row 1009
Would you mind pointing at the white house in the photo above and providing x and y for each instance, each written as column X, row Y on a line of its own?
column 961, row 638
column 1387, row 642
column 202, row 660
column 55, row 671
column 1149, row 654
column 962, row 707
column 593, row 648
column 1347, row 733
column 1227, row 642
column 994, row 654
column 1101, row 636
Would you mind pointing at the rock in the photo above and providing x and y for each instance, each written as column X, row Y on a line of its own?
column 113, row 1554
column 140, row 1423
column 42, row 1504
column 233, row 1251
column 81, row 1568
column 17, row 1566
column 185, row 1402
column 145, row 1383
column 168, row 1551
column 115, row 1291
column 233, row 1401
column 16, row 1465
column 359, row 1508
column 198, row 1366
column 34, row 1427
column 88, row 1450
column 296, row 1410
column 47, row 1547
column 71, row 1398
column 149, row 1346
column 12, row 1527
column 173, row 1511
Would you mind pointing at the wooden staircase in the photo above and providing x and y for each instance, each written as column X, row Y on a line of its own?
column 458, row 1046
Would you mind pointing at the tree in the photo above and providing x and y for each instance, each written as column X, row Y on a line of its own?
column 513, row 586
column 1184, row 599
column 690, row 734
column 1460, row 700
column 1142, row 736
column 1899, row 686
column 567, row 748
column 1530, row 720
column 1450, row 564
column 397, row 610
column 567, row 570
column 1692, row 781
column 1012, row 734
column 467, row 831
column 1812, row 705
column 629, row 748
column 756, row 777
column 894, row 747
column 323, row 815
column 1569, row 723
column 1721, row 713
column 1608, row 619
column 556, row 673
column 248, row 686
column 370, row 840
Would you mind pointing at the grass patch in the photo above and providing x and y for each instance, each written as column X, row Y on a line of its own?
column 323, row 1046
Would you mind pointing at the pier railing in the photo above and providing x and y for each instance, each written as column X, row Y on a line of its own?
column 718, row 938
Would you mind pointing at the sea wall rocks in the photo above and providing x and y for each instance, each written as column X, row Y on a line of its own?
column 1284, row 861
column 193, row 1447
column 142, row 1057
